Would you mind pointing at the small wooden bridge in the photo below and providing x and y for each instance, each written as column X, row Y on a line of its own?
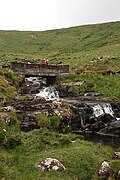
column 39, row 70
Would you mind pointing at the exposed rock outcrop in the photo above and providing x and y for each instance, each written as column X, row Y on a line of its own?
column 32, row 106
column 104, row 170
column 50, row 164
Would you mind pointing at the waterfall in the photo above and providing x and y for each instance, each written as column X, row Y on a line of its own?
column 36, row 80
column 33, row 80
column 108, row 109
column 100, row 109
column 48, row 93
column 97, row 110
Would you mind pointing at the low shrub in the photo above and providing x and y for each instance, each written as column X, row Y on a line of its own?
column 42, row 121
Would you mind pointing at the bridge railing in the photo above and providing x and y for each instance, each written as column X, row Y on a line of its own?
column 38, row 69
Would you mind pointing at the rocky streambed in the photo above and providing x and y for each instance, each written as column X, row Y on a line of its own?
column 83, row 114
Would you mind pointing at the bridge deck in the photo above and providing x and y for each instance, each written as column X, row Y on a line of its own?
column 39, row 70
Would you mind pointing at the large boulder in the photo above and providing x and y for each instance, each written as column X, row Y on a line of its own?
column 50, row 164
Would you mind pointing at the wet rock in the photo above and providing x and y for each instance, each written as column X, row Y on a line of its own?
column 30, row 107
column 59, row 108
column 29, row 88
column 28, row 126
column 50, row 164
column 97, row 126
column 105, row 118
column 104, row 170
column 111, row 129
column 116, row 155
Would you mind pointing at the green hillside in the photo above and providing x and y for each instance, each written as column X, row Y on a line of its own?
column 76, row 39
column 80, row 43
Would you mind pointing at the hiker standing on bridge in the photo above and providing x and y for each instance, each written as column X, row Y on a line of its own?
column 44, row 61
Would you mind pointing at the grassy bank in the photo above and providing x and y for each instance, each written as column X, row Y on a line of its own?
column 8, row 85
column 82, row 159
column 107, row 86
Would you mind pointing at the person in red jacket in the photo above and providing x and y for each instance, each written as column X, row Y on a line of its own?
column 43, row 61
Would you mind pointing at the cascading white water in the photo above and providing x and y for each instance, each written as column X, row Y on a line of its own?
column 32, row 79
column 36, row 80
column 48, row 93
column 97, row 110
column 103, row 108
column 108, row 109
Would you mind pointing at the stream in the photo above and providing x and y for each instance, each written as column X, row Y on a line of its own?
column 87, row 111
column 98, row 121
